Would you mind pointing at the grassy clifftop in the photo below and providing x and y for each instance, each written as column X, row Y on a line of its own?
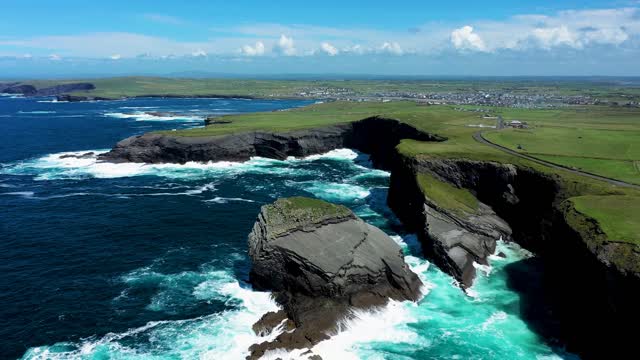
column 131, row 86
column 291, row 213
column 597, row 199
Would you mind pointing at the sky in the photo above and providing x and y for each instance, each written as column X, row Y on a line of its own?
column 66, row 38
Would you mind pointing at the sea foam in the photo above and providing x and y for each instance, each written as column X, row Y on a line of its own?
column 77, row 165
column 142, row 116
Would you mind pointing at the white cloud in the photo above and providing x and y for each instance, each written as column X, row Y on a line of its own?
column 615, row 36
column 115, row 57
column 355, row 49
column 465, row 39
column 55, row 57
column 199, row 53
column 285, row 46
column 256, row 50
column 556, row 36
column 329, row 49
column 576, row 29
column 391, row 48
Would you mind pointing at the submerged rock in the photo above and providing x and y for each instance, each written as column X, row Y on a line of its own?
column 321, row 261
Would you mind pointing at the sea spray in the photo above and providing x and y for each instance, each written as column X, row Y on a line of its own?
column 143, row 116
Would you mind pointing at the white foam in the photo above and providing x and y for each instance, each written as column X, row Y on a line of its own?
column 24, row 194
column 484, row 269
column 74, row 165
column 137, row 107
column 141, row 116
column 36, row 112
column 338, row 154
column 54, row 101
column 226, row 335
column 12, row 96
column 336, row 191
column 224, row 200
column 387, row 324
column 496, row 317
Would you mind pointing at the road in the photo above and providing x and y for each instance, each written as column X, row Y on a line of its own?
column 481, row 139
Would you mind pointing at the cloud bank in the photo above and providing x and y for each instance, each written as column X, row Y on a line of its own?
column 605, row 32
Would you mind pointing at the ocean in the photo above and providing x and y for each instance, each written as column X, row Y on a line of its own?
column 132, row 261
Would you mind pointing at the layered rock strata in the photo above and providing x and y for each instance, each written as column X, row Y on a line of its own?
column 321, row 261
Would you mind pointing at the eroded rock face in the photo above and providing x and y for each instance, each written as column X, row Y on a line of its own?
column 321, row 260
column 376, row 136
column 460, row 241
column 160, row 148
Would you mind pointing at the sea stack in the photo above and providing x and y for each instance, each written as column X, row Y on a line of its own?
column 321, row 261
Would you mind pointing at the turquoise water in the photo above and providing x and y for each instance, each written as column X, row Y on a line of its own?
column 131, row 261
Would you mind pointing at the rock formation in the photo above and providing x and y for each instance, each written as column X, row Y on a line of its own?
column 321, row 260
column 570, row 246
column 375, row 135
column 30, row 90
column 576, row 254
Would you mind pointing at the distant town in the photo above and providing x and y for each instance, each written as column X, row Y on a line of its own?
column 503, row 98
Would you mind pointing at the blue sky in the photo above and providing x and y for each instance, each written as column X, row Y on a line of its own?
column 491, row 37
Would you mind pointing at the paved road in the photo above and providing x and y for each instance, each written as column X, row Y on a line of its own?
column 481, row 139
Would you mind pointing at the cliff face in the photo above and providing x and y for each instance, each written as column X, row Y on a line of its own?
column 30, row 90
column 377, row 136
column 321, row 260
column 578, row 281
column 515, row 203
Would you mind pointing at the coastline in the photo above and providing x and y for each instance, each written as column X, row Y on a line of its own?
column 407, row 201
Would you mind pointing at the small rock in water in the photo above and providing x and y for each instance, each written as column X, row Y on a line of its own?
column 83, row 156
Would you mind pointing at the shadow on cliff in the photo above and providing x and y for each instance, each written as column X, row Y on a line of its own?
column 527, row 278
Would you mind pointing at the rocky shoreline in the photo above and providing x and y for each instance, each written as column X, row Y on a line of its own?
column 57, row 90
column 376, row 136
column 514, row 202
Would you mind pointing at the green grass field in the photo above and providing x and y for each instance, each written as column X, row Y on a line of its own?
column 618, row 216
column 447, row 196
column 139, row 86
column 601, row 140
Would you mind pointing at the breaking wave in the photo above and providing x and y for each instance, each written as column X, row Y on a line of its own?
column 142, row 116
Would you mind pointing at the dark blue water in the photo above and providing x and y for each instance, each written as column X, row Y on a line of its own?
column 131, row 261
column 63, row 254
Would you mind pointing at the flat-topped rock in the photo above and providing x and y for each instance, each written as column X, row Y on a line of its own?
column 321, row 260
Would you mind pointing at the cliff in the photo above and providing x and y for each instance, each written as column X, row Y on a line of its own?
column 459, row 208
column 321, row 260
column 30, row 90
column 584, row 273
column 375, row 135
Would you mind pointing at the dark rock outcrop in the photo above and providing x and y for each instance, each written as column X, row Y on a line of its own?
column 579, row 280
column 65, row 88
column 30, row 90
column 321, row 260
column 27, row 90
column 377, row 136
column 77, row 98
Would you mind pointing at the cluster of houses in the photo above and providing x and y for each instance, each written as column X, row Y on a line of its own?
column 501, row 124
column 517, row 124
